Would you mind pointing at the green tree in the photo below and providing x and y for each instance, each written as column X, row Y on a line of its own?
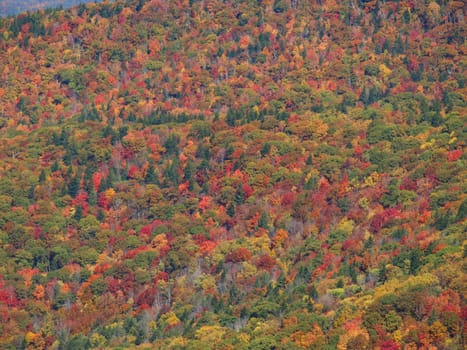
column 279, row 6
column 171, row 144
column 74, row 185
column 151, row 175
column 59, row 257
column 462, row 211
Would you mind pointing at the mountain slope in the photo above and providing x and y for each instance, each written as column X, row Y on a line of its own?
column 234, row 175
column 14, row 7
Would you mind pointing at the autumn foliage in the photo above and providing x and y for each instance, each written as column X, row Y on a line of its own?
column 234, row 175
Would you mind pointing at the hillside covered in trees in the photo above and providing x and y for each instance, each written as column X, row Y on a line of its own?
column 234, row 175
column 14, row 7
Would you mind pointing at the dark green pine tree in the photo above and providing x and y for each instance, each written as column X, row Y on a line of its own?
column 78, row 213
column 240, row 195
column 42, row 176
column 231, row 210
column 263, row 220
column 92, row 196
column 73, row 186
column 462, row 212
column 313, row 293
column 55, row 167
column 171, row 172
column 151, row 176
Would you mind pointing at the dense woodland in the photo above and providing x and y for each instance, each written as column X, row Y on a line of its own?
column 234, row 175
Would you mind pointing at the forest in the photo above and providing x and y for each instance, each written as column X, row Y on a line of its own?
column 206, row 174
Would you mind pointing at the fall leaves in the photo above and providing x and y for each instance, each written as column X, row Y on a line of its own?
column 246, row 176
